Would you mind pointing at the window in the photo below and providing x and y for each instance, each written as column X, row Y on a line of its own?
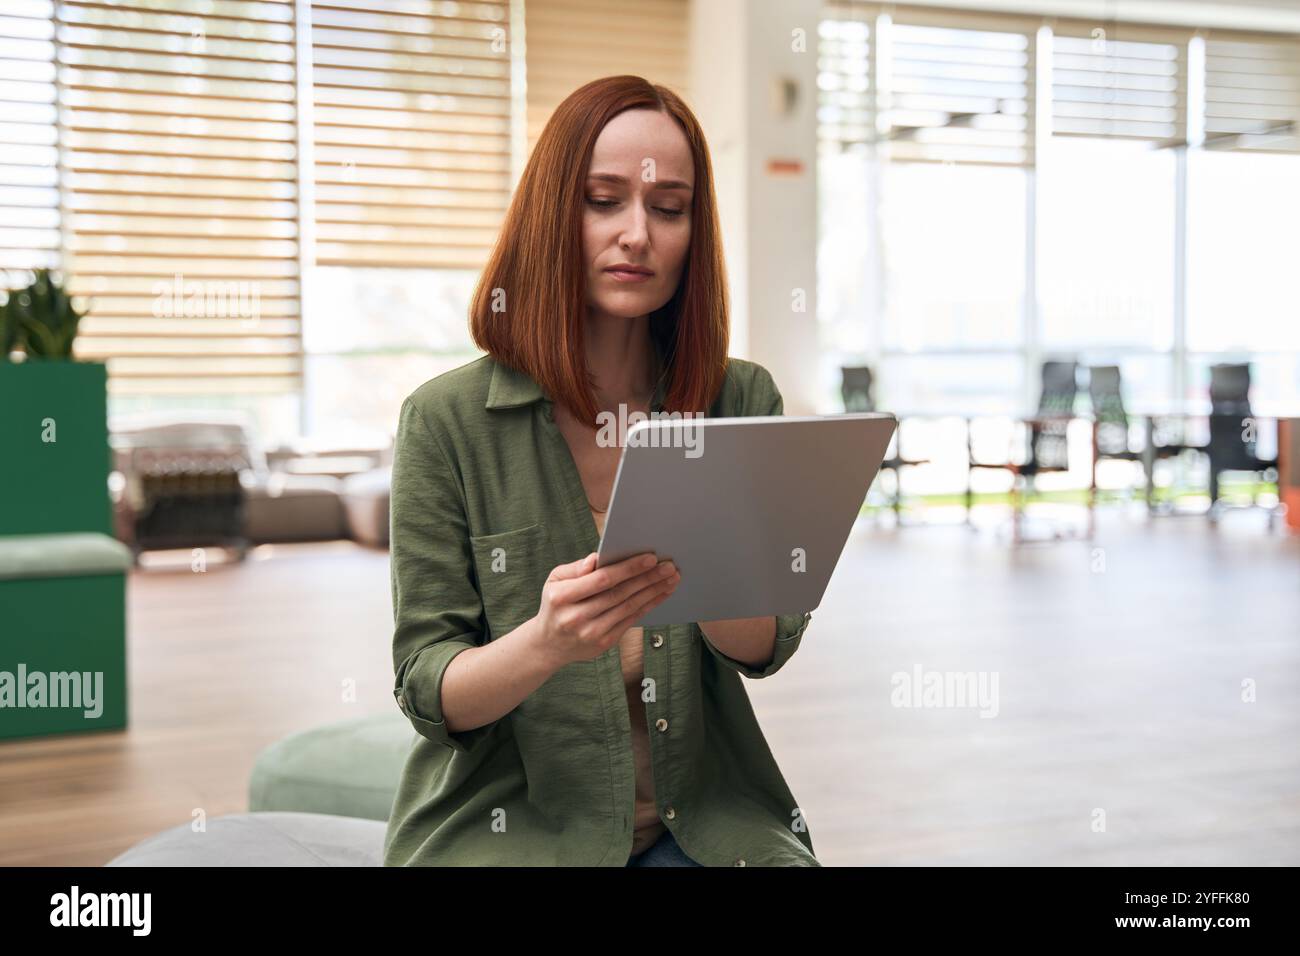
column 1243, row 248
column 954, row 242
column 180, row 181
column 197, row 163
column 1117, row 80
column 29, row 196
column 1106, row 244
column 571, row 42
column 925, row 127
column 957, row 95
column 967, row 159
column 411, row 127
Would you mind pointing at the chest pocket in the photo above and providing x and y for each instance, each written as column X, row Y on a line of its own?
column 512, row 566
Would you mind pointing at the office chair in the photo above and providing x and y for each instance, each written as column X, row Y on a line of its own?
column 857, row 390
column 1046, row 441
column 1111, row 429
column 1232, row 435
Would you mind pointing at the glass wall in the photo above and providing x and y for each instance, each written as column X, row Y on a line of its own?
column 954, row 280
column 1243, row 245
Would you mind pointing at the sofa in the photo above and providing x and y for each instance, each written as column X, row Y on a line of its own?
column 205, row 479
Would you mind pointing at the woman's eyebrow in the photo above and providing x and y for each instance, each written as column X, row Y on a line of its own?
column 622, row 181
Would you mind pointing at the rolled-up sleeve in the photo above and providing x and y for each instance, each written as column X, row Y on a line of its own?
column 789, row 632
column 437, row 609
column 762, row 397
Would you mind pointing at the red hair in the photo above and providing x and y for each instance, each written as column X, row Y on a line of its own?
column 537, row 262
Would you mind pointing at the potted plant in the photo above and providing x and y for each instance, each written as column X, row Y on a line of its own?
column 10, row 337
column 40, row 317
column 54, row 429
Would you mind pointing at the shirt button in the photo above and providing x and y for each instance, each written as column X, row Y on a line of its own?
column 658, row 640
column 401, row 703
column 740, row 862
column 670, row 814
column 661, row 724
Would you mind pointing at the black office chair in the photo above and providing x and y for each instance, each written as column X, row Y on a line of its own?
column 1233, row 431
column 1111, row 429
column 857, row 390
column 1046, row 440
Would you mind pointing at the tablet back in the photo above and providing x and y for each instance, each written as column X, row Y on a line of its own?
column 754, row 511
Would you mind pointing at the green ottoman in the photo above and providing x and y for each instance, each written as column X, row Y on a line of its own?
column 348, row 769
column 63, row 633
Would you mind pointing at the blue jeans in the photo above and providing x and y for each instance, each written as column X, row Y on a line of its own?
column 663, row 852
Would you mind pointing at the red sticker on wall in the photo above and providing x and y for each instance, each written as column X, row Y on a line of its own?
column 785, row 167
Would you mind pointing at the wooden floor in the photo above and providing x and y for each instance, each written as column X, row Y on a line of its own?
column 1119, row 689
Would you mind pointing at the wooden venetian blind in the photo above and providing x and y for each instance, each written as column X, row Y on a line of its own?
column 571, row 42
column 1119, row 80
column 1252, row 93
column 180, row 191
column 29, row 196
column 411, row 130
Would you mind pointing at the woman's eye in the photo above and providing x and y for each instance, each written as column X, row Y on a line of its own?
column 602, row 203
column 670, row 213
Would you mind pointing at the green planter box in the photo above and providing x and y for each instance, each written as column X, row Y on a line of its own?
column 60, row 485
column 55, row 628
column 62, row 575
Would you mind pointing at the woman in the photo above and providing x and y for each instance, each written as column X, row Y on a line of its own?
column 552, row 730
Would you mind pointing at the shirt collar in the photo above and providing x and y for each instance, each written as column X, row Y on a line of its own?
column 511, row 388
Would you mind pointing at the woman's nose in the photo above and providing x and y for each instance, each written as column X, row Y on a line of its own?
column 633, row 231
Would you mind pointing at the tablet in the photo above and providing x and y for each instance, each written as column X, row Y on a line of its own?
column 754, row 511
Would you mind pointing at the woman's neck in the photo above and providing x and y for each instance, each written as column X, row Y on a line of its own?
column 621, row 359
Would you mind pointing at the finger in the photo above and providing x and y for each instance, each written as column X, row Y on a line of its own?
column 630, row 620
column 575, row 569
column 598, row 604
column 602, row 579
column 635, row 605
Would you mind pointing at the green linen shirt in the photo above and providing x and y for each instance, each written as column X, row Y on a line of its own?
column 481, row 472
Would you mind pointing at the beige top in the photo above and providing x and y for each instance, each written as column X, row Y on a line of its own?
column 646, row 825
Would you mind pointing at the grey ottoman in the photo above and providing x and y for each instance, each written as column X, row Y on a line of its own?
column 349, row 768
column 264, row 839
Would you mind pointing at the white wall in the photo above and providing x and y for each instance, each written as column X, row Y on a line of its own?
column 740, row 49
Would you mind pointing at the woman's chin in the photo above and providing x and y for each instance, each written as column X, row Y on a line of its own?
column 626, row 306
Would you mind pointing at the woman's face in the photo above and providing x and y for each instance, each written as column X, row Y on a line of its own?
column 637, row 213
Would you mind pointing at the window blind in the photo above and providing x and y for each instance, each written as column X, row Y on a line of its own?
column 180, row 189
column 1119, row 80
column 412, row 107
column 959, row 92
column 927, row 85
column 29, row 196
column 846, row 119
column 571, row 42
column 1252, row 93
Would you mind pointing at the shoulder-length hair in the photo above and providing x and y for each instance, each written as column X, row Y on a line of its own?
column 529, row 307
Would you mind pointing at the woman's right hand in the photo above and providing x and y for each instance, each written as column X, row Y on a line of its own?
column 585, row 609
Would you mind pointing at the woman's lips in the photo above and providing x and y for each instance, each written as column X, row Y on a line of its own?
column 622, row 275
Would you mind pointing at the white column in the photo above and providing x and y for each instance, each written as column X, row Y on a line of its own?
column 745, row 56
